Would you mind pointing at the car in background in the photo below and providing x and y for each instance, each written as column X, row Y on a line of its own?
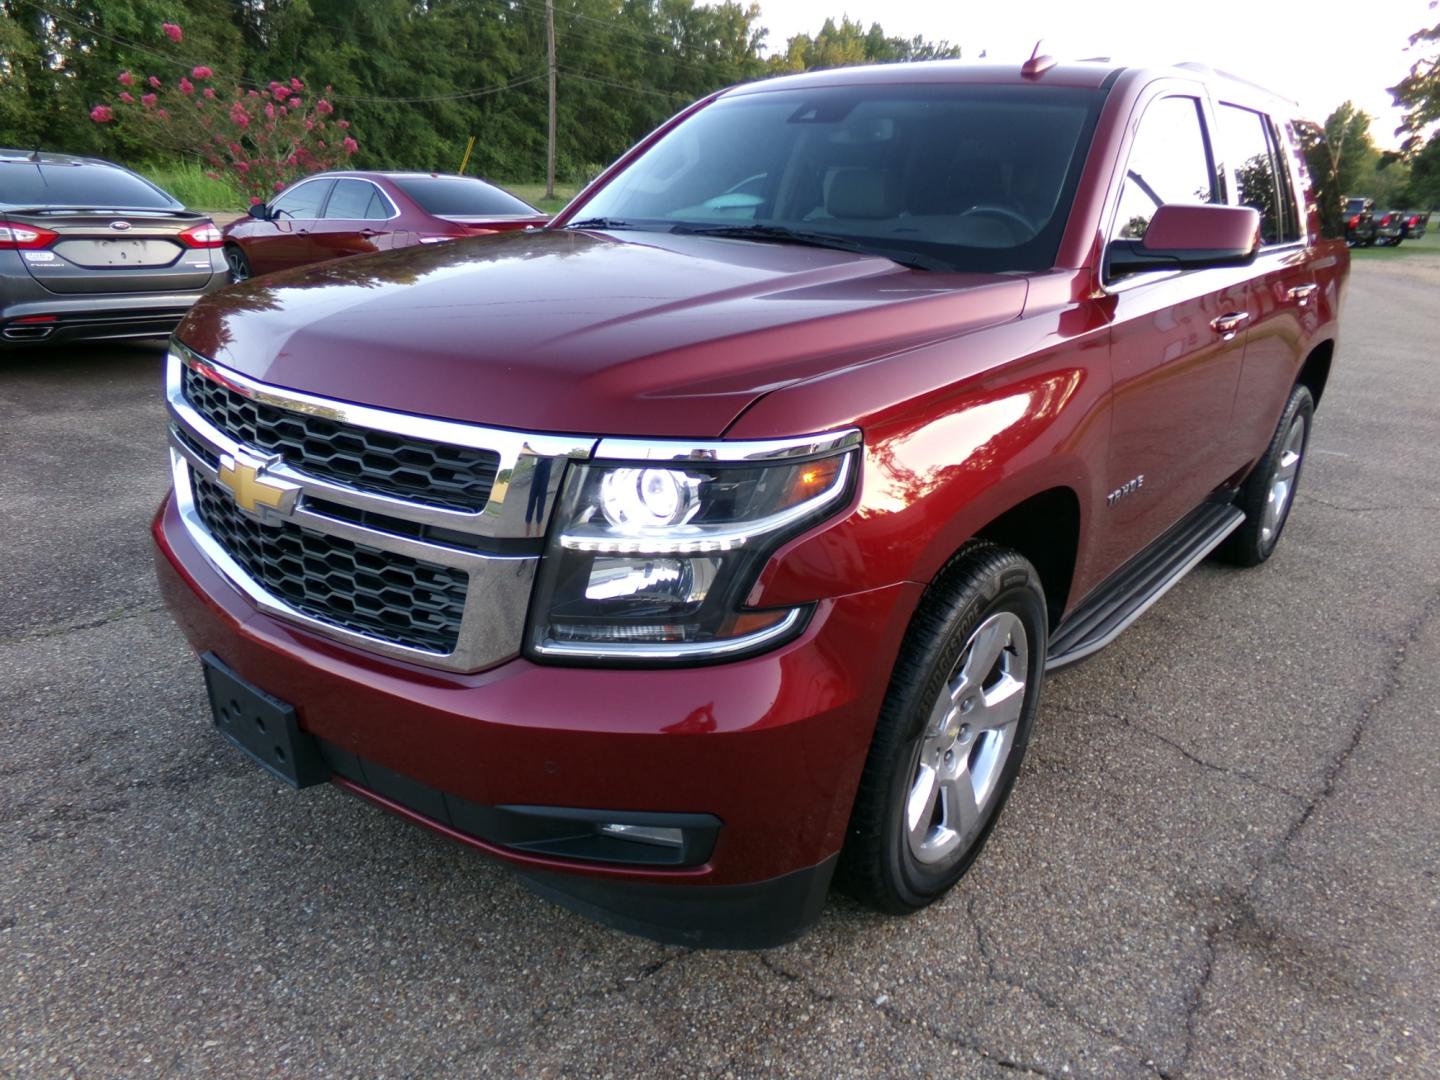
column 1389, row 228
column 91, row 251
column 1413, row 225
column 334, row 214
column 1359, row 221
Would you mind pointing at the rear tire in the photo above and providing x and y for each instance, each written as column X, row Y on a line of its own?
column 237, row 264
column 1268, row 494
column 952, row 731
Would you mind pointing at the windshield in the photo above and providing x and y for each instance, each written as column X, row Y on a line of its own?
column 975, row 177
column 459, row 196
column 101, row 187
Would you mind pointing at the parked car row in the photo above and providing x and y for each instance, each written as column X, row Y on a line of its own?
column 92, row 251
column 1365, row 225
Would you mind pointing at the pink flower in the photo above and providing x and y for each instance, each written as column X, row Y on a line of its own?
column 154, row 82
column 309, row 125
column 125, row 79
column 162, row 114
column 209, row 92
column 242, row 167
column 342, row 123
column 148, row 100
column 238, row 116
column 234, row 148
column 296, row 84
column 279, row 185
column 280, row 91
column 102, row 114
column 350, row 145
column 284, row 111
column 252, row 93
column 186, row 86
column 201, row 72
column 292, row 160
column 269, row 111
column 173, row 32
column 323, row 107
column 255, row 200
column 125, row 97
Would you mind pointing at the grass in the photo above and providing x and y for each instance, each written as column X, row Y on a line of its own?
column 1429, row 244
column 534, row 194
column 188, row 183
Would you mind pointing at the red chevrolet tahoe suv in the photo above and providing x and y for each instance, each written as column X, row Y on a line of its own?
column 714, row 541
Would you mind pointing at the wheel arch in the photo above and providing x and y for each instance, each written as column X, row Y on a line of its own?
column 1315, row 371
column 1045, row 529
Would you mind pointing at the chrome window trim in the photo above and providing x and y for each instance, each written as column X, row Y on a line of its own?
column 322, row 178
column 624, row 449
column 394, row 210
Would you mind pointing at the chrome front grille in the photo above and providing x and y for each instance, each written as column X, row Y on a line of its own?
column 362, row 589
column 420, row 470
column 424, row 546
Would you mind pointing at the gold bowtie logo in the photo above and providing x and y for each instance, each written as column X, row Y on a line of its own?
column 254, row 492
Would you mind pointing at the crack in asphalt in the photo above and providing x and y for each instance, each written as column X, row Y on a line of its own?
column 1181, row 749
column 897, row 1018
column 61, row 629
column 1233, row 922
column 1387, row 507
column 992, row 968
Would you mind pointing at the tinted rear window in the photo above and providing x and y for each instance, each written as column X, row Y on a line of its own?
column 91, row 186
column 459, row 196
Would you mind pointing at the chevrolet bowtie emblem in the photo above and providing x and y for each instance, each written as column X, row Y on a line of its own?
column 254, row 492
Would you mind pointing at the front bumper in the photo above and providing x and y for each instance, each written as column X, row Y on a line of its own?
column 771, row 746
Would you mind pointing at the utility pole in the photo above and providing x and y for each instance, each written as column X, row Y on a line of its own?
column 550, row 48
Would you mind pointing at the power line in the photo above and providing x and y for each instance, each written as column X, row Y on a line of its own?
column 569, row 74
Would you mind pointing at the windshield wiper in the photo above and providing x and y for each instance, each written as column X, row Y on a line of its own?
column 781, row 234
column 599, row 223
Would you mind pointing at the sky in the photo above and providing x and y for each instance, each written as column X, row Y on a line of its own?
column 1308, row 52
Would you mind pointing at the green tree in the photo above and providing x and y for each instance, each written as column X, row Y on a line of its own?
column 1418, row 93
column 1337, row 157
column 1423, row 190
column 848, row 42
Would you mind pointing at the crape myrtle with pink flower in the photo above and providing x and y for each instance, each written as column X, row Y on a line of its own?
column 265, row 139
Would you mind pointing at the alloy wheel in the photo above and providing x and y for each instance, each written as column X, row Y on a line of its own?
column 1282, row 482
column 967, row 740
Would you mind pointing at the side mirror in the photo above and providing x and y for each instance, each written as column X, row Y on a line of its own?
column 259, row 211
column 1189, row 237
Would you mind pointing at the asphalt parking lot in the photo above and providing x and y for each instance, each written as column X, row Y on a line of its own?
column 1221, row 859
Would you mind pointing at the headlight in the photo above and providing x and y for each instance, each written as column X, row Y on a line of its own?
column 652, row 560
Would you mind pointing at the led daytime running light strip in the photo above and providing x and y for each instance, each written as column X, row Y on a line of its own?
column 692, row 540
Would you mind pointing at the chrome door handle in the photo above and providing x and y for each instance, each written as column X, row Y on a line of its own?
column 1226, row 325
column 376, row 232
column 1302, row 293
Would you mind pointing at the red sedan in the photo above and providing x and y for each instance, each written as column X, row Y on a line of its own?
column 334, row 214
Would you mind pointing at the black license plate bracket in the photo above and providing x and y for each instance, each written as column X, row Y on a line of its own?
column 264, row 727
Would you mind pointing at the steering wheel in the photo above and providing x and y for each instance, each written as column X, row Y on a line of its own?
column 1004, row 212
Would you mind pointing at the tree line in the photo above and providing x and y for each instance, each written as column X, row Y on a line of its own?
column 415, row 78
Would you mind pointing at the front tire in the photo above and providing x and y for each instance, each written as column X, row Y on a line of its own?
column 1268, row 493
column 951, row 733
column 237, row 264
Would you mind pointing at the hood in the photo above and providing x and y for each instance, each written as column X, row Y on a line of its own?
column 621, row 334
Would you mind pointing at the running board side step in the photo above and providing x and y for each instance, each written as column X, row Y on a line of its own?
column 1130, row 591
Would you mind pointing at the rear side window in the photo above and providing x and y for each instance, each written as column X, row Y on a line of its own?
column 303, row 200
column 93, row 187
column 459, row 196
column 1248, row 152
column 357, row 200
column 1168, row 163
